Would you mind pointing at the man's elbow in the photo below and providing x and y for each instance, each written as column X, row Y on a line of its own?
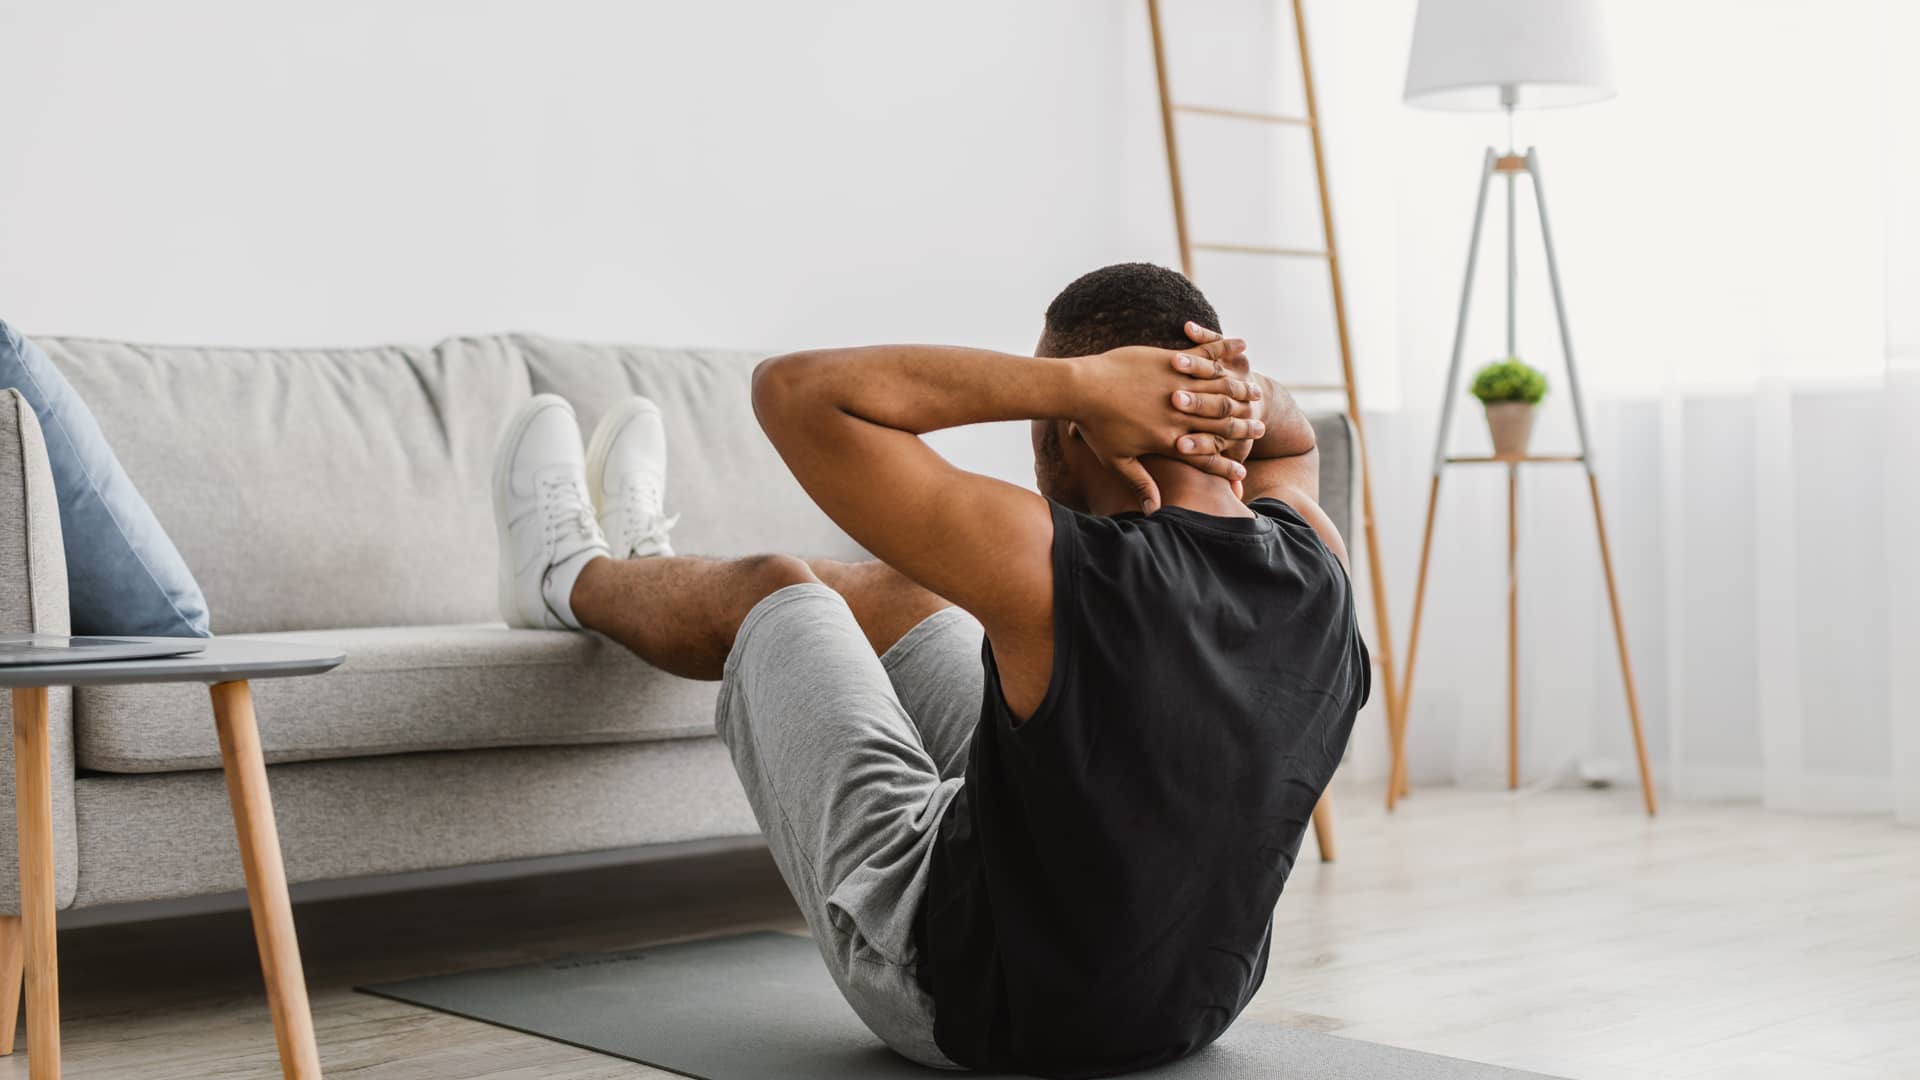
column 1297, row 438
column 780, row 386
column 1289, row 435
column 1289, row 432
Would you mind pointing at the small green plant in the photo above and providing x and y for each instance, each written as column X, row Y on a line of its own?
column 1509, row 380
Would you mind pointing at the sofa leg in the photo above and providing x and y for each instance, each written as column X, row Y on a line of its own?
column 13, row 967
column 246, row 771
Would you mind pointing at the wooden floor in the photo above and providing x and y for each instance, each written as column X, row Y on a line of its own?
column 1560, row 932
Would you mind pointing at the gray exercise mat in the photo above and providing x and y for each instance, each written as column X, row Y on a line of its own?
column 761, row 1007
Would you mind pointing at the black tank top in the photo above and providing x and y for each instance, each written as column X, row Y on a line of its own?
column 1102, row 891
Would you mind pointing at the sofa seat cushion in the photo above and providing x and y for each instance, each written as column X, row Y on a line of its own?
column 407, row 689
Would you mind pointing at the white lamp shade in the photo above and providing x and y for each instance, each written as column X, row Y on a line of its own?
column 1470, row 55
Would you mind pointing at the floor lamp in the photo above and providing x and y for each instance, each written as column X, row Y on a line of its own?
column 1504, row 55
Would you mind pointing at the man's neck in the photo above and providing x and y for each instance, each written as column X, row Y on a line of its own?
column 1180, row 484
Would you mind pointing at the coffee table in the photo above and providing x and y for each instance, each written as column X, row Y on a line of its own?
column 226, row 665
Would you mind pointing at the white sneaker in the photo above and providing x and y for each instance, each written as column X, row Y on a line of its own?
column 627, row 473
column 545, row 518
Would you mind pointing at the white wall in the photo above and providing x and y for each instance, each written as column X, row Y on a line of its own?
column 737, row 173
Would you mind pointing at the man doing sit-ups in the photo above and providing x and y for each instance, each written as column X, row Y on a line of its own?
column 1056, row 851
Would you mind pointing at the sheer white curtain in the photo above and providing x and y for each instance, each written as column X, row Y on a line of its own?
column 1740, row 271
column 1901, row 199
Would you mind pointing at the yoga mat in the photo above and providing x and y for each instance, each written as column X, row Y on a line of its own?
column 761, row 1006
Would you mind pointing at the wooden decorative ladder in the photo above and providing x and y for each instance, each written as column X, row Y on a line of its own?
column 1383, row 635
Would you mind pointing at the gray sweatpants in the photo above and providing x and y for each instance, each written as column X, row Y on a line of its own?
column 849, row 761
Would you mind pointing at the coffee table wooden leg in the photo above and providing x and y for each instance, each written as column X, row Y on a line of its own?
column 33, row 805
column 266, row 879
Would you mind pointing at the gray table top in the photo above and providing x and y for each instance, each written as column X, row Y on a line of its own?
column 222, row 660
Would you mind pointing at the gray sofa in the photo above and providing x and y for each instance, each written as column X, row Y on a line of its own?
column 341, row 496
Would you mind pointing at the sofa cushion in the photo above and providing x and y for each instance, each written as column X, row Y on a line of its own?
column 733, row 493
column 406, row 689
column 314, row 487
column 124, row 576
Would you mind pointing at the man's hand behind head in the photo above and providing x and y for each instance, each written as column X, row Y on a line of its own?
column 1238, row 366
column 1189, row 406
column 1287, row 434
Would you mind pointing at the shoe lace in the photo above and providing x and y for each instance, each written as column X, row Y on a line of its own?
column 640, row 503
column 567, row 508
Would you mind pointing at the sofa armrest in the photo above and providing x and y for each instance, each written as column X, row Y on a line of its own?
column 33, row 599
column 1333, row 433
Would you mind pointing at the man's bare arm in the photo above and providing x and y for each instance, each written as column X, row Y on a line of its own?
column 848, row 421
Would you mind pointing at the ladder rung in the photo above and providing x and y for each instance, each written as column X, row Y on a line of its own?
column 1244, row 114
column 1262, row 249
column 1314, row 388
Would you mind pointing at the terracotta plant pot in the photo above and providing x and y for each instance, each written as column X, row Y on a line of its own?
column 1511, row 423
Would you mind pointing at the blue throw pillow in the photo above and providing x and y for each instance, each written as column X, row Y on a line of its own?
column 124, row 576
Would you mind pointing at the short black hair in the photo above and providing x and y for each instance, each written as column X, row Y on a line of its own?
column 1125, row 304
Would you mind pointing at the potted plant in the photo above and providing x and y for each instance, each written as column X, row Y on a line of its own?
column 1510, row 390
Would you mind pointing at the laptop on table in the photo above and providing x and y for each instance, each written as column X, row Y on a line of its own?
column 32, row 650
